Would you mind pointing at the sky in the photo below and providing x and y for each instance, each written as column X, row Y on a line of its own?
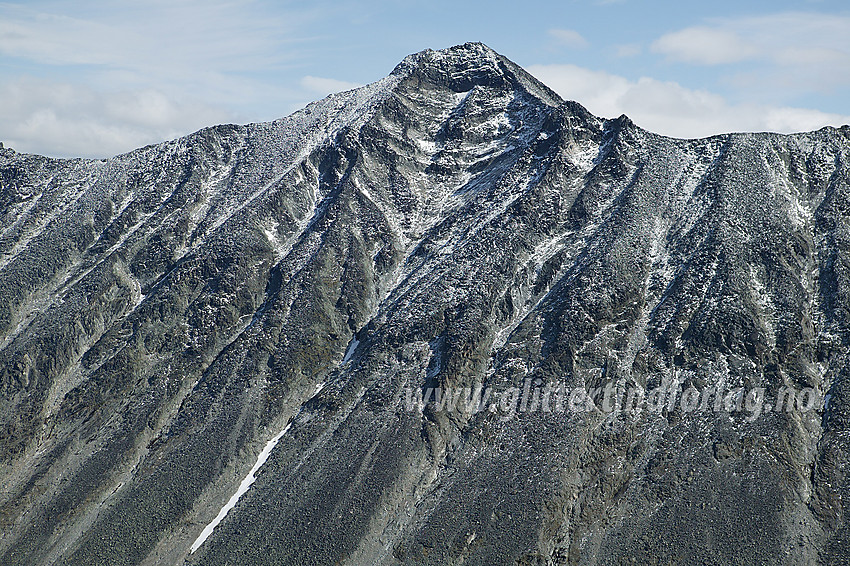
column 92, row 78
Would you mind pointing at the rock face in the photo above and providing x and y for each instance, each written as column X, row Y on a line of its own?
column 167, row 312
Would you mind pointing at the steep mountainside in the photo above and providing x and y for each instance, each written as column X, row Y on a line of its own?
column 167, row 313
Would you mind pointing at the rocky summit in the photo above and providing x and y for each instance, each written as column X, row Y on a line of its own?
column 247, row 346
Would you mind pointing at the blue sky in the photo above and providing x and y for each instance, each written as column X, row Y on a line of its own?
column 94, row 78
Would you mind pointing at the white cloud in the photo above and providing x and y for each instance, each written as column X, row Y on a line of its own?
column 671, row 109
column 569, row 38
column 707, row 46
column 158, row 37
column 64, row 119
column 323, row 86
column 629, row 50
column 127, row 74
column 795, row 51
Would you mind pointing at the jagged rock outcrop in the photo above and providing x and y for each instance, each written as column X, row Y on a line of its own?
column 166, row 312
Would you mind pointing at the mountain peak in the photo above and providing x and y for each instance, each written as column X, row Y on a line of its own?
column 465, row 66
column 294, row 314
column 465, row 51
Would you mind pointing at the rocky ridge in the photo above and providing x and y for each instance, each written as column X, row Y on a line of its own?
column 167, row 312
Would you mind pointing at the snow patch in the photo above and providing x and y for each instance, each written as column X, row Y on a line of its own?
column 799, row 214
column 280, row 247
column 584, row 156
column 767, row 309
column 351, row 348
column 243, row 488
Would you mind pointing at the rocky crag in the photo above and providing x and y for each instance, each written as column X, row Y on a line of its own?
column 164, row 314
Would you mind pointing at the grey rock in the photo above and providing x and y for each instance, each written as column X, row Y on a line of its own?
column 166, row 312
